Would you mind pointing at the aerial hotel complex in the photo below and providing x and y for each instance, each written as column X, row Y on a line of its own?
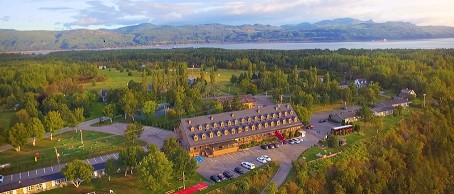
column 217, row 134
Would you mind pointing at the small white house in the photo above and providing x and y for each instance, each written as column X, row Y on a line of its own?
column 361, row 83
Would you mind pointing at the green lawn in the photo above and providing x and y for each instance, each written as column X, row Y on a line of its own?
column 114, row 79
column 5, row 118
column 96, row 110
column 121, row 184
column 68, row 145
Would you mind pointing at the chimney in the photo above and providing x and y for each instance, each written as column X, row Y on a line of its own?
column 258, row 110
column 233, row 114
column 189, row 122
column 211, row 118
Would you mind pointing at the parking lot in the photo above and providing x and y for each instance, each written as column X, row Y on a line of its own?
column 284, row 154
column 320, row 130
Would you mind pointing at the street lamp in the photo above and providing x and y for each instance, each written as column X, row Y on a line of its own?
column 58, row 155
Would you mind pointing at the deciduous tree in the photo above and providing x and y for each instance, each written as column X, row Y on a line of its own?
column 110, row 111
column 17, row 136
column 133, row 131
column 111, row 167
column 35, row 129
column 77, row 172
column 53, row 122
column 149, row 108
column 129, row 158
column 155, row 169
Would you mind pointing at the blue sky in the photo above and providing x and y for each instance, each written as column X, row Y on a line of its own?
column 95, row 14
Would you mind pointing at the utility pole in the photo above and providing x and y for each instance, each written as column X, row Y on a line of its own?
column 81, row 137
column 281, row 98
column 184, row 186
column 424, row 100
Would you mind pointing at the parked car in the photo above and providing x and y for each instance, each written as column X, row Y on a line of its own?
column 264, row 146
column 1, row 178
column 239, row 170
column 276, row 145
column 248, row 165
column 267, row 158
column 343, row 107
column 261, row 160
column 290, row 141
column 221, row 176
column 310, row 127
column 322, row 120
column 228, row 174
column 215, row 179
column 271, row 146
column 296, row 140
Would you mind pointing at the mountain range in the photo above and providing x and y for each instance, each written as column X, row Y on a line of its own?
column 337, row 30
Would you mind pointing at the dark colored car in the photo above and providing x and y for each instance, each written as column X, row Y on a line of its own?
column 322, row 120
column 220, row 176
column 276, row 145
column 239, row 170
column 271, row 146
column 215, row 179
column 228, row 175
column 310, row 127
column 265, row 147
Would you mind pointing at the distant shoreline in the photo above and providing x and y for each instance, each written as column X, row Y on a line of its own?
column 437, row 42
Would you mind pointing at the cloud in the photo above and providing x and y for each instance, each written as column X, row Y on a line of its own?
column 5, row 18
column 56, row 8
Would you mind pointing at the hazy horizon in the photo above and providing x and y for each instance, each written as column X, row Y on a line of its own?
column 110, row 14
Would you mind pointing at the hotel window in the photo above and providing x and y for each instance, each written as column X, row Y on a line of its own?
column 274, row 115
column 262, row 117
column 204, row 136
column 280, row 114
column 246, row 128
column 249, row 119
column 236, row 121
column 266, row 125
column 200, row 127
column 240, row 129
column 233, row 131
column 207, row 126
column 218, row 133
column 215, row 125
column 278, row 122
column 192, row 128
column 289, row 120
column 291, row 112
column 259, row 126
column 256, row 118
column 285, row 113
column 243, row 120
column 229, row 123
column 29, row 188
column 295, row 119
column 272, row 123
column 226, row 132
column 253, row 127
column 268, row 116
column 222, row 123
column 284, row 121
column 196, row 137
column 211, row 134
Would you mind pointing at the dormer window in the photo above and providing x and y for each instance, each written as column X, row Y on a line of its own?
column 246, row 128
column 295, row 119
column 288, row 105
column 272, row 123
column 266, row 125
column 256, row 118
column 284, row 121
column 285, row 113
column 200, row 127
column 249, row 119
column 274, row 115
column 196, row 137
column 259, row 125
column 291, row 112
column 233, row 131
column 189, row 122
column 253, row 127
column 268, row 116
column 222, row 123
column 204, row 136
column 211, row 118
column 192, row 128
column 278, row 122
column 236, row 121
column 226, row 132
column 215, row 125
column 207, row 126
column 233, row 114
column 258, row 110
column 280, row 114
column 211, row 134
column 289, row 120
column 229, row 123
column 218, row 133
column 240, row 129
column 243, row 120
column 262, row 117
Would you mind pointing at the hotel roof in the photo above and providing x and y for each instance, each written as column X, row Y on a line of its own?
column 228, row 126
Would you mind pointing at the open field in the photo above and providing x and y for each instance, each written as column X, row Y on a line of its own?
column 5, row 118
column 121, row 184
column 114, row 79
column 69, row 146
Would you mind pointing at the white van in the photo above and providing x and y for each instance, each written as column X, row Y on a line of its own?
column 248, row 165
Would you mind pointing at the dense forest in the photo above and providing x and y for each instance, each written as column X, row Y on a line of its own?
column 337, row 30
column 413, row 157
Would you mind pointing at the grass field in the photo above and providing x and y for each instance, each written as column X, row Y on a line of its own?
column 96, row 110
column 121, row 184
column 69, row 146
column 5, row 118
column 115, row 79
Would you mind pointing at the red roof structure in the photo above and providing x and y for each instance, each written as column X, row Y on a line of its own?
column 193, row 189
